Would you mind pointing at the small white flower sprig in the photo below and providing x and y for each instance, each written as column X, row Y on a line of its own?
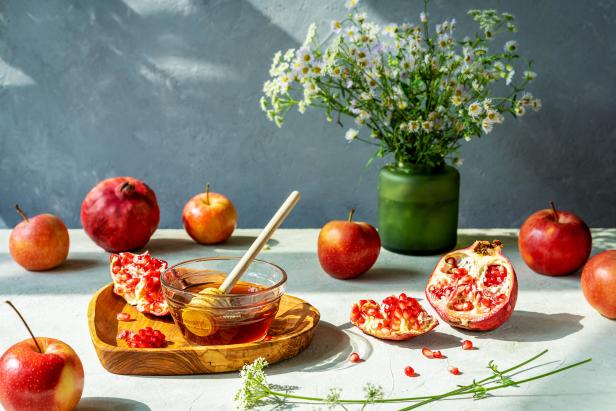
column 416, row 88
column 256, row 391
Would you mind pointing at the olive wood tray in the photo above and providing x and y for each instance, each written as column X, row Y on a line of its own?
column 291, row 332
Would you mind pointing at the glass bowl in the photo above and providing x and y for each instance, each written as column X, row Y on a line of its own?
column 244, row 315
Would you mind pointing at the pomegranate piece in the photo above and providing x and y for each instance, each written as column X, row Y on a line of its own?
column 467, row 345
column 427, row 352
column 354, row 357
column 123, row 316
column 398, row 318
column 144, row 338
column 409, row 371
column 474, row 288
column 136, row 278
column 453, row 370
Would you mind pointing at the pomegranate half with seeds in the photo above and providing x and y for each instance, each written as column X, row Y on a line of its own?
column 136, row 278
column 398, row 318
column 474, row 288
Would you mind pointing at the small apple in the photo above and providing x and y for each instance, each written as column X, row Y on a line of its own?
column 209, row 218
column 42, row 374
column 554, row 242
column 347, row 249
column 599, row 283
column 40, row 242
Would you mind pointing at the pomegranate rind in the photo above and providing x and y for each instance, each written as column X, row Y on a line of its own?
column 372, row 319
column 136, row 278
column 484, row 254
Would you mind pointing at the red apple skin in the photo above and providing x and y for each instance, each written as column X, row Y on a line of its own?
column 599, row 283
column 553, row 246
column 40, row 243
column 49, row 381
column 209, row 218
column 347, row 249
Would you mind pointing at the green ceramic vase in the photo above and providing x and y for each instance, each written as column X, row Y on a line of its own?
column 418, row 209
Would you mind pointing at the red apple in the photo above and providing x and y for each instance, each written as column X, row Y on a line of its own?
column 40, row 374
column 209, row 218
column 347, row 249
column 599, row 283
column 554, row 242
column 40, row 242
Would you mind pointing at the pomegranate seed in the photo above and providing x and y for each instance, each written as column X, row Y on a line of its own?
column 437, row 354
column 453, row 370
column 409, row 371
column 467, row 345
column 427, row 352
column 354, row 357
column 123, row 317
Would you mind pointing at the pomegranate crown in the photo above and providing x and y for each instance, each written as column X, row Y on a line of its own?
column 487, row 248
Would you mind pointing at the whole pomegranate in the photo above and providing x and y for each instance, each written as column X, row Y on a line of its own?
column 599, row 283
column 120, row 214
column 474, row 288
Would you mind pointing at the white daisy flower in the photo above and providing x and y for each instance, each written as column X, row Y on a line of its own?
column 426, row 125
column 520, row 110
column 536, row 104
column 413, row 126
column 494, row 116
column 351, row 34
column 475, row 109
column 351, row 134
column 486, row 126
column 351, row 4
column 456, row 100
column 511, row 46
column 304, row 55
column 526, row 99
column 530, row 75
column 391, row 30
column 336, row 26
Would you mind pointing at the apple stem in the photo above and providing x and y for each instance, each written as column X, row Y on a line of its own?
column 21, row 213
column 554, row 211
column 38, row 347
column 207, row 193
column 351, row 214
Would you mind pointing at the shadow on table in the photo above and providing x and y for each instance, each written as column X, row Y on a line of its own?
column 76, row 264
column 158, row 246
column 110, row 404
column 391, row 275
column 530, row 326
column 241, row 243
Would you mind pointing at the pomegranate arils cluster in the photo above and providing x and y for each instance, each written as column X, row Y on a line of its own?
column 136, row 278
column 144, row 338
column 398, row 318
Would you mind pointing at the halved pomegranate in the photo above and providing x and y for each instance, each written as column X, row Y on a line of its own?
column 398, row 318
column 136, row 278
column 474, row 288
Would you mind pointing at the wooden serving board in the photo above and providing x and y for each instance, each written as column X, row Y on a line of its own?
column 291, row 332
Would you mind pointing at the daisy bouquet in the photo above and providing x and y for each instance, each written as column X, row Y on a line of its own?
column 413, row 90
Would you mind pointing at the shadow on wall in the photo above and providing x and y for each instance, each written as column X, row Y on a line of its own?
column 112, row 86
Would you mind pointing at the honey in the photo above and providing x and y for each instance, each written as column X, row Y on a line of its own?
column 211, row 320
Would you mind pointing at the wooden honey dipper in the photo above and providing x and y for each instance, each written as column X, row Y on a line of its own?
column 207, row 296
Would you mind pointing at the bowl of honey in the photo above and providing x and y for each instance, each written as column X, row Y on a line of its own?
column 206, row 317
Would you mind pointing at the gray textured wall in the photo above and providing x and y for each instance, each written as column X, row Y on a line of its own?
column 167, row 91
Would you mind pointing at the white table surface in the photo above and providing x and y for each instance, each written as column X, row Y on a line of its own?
column 551, row 313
